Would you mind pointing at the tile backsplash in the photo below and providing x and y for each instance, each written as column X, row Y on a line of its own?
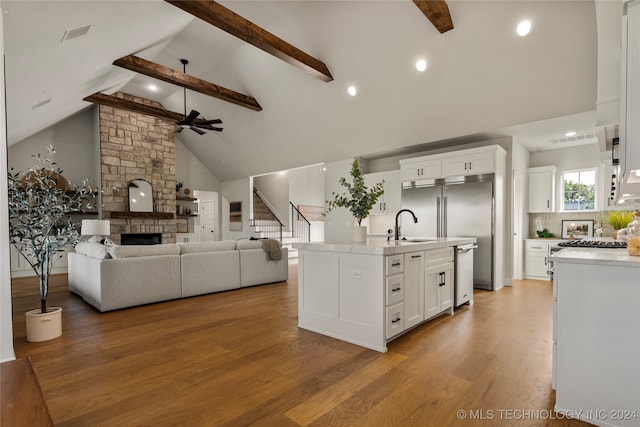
column 553, row 222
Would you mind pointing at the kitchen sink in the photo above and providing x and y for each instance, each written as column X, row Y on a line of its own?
column 417, row 240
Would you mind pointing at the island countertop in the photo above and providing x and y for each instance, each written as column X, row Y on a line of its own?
column 617, row 257
column 380, row 246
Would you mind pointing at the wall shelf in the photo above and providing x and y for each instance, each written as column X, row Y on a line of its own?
column 147, row 215
column 186, row 199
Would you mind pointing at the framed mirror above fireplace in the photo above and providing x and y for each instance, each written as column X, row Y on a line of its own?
column 140, row 196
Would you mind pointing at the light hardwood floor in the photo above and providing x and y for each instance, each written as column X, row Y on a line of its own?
column 237, row 358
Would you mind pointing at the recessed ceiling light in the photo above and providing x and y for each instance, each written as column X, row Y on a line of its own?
column 421, row 65
column 572, row 133
column 152, row 87
column 523, row 28
column 626, row 195
column 352, row 90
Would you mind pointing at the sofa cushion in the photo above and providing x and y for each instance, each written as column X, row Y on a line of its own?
column 131, row 251
column 248, row 244
column 93, row 249
column 198, row 247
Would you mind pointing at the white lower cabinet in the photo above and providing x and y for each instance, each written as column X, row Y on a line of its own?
column 414, row 288
column 20, row 267
column 536, row 258
column 395, row 319
column 438, row 289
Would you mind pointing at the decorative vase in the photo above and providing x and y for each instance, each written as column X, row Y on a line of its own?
column 614, row 234
column 44, row 326
column 359, row 234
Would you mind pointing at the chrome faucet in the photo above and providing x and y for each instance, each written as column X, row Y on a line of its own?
column 415, row 220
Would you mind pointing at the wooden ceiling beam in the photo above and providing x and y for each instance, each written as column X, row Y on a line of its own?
column 234, row 24
column 437, row 12
column 160, row 72
column 136, row 107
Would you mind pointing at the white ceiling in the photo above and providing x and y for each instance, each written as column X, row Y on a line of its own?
column 481, row 77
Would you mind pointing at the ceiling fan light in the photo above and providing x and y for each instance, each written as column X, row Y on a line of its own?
column 523, row 28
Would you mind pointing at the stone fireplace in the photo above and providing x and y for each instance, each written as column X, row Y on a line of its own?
column 137, row 146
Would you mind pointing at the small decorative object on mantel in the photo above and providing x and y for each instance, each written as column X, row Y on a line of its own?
column 179, row 185
column 358, row 199
column 186, row 191
column 40, row 228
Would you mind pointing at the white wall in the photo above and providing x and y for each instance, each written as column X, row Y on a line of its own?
column 234, row 191
column 191, row 171
column 306, row 187
column 580, row 157
column 73, row 140
column 519, row 215
column 275, row 189
column 339, row 223
column 6, row 321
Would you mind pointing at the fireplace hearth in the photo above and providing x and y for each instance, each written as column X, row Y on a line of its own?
column 141, row 239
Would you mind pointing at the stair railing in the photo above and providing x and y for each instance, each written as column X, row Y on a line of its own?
column 300, row 225
column 264, row 220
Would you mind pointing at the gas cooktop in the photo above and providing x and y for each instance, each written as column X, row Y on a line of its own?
column 593, row 244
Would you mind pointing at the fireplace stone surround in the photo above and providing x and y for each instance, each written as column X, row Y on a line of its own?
column 137, row 146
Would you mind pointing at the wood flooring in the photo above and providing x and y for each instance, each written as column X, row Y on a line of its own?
column 238, row 359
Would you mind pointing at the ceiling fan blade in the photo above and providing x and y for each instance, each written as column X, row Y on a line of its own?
column 217, row 129
column 198, row 131
column 210, row 122
column 191, row 117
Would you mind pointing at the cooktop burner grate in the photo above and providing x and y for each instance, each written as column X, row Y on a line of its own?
column 593, row 244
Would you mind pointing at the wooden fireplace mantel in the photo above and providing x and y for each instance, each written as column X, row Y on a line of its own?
column 142, row 215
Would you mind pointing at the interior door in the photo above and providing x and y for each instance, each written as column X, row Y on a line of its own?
column 207, row 220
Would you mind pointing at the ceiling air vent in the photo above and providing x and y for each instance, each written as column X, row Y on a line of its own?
column 587, row 138
column 40, row 104
column 76, row 32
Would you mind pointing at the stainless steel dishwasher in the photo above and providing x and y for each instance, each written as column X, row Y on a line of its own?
column 464, row 274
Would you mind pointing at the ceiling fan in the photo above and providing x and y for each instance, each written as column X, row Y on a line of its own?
column 191, row 121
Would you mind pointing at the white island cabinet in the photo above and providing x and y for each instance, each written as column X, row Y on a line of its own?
column 370, row 293
column 596, row 335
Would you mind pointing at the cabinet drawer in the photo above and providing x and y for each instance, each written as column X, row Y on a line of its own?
column 438, row 256
column 534, row 246
column 394, row 264
column 394, row 316
column 394, row 289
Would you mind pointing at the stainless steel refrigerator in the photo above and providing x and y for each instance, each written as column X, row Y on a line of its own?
column 464, row 207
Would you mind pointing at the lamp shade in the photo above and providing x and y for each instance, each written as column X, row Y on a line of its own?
column 96, row 227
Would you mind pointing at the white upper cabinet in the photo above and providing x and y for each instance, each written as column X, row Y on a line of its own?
column 541, row 189
column 469, row 164
column 390, row 201
column 415, row 169
column 473, row 161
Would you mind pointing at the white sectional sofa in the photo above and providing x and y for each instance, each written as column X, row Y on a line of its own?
column 110, row 278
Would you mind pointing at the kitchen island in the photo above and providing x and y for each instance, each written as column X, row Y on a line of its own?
column 370, row 293
column 596, row 334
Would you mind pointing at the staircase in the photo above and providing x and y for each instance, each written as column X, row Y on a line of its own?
column 267, row 225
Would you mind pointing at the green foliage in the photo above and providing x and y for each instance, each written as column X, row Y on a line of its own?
column 578, row 196
column 619, row 219
column 545, row 233
column 39, row 224
column 358, row 198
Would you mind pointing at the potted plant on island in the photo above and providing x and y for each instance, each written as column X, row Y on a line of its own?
column 358, row 199
column 40, row 228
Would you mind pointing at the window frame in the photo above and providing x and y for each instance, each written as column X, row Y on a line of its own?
column 596, row 204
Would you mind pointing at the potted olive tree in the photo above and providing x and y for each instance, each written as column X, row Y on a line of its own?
column 358, row 199
column 40, row 228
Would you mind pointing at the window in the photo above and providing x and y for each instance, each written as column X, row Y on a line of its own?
column 579, row 190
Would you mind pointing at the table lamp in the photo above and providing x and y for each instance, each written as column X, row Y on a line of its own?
column 97, row 228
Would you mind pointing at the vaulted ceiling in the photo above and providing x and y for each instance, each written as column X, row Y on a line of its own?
column 481, row 78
